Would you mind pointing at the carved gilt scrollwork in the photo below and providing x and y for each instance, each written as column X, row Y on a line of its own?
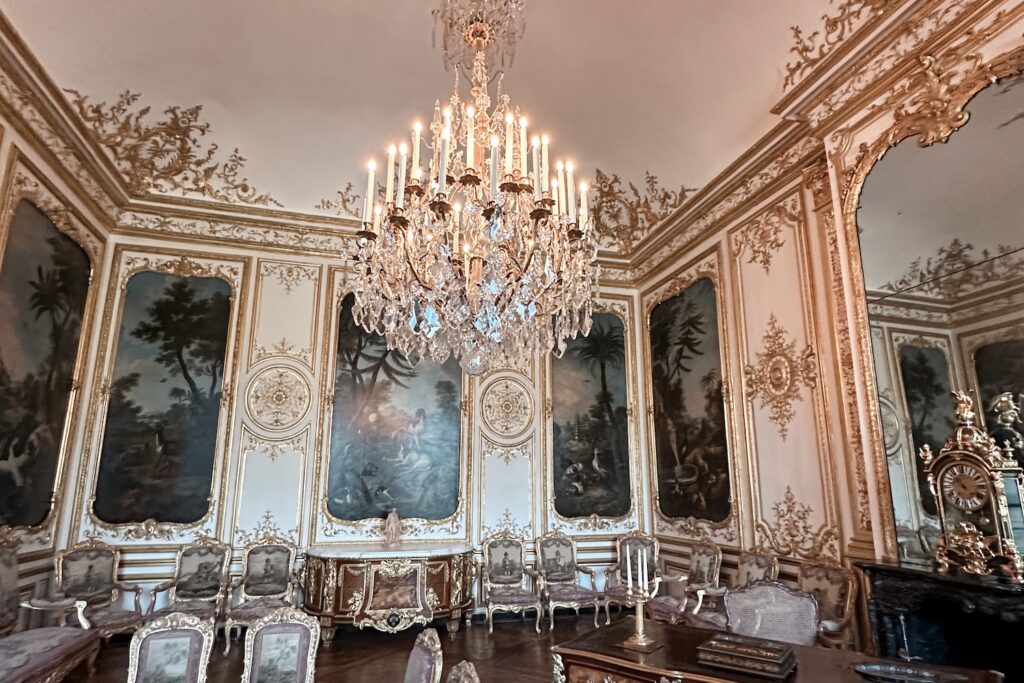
column 777, row 376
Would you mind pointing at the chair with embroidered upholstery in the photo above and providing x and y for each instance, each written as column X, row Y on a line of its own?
column 835, row 589
column 39, row 654
column 88, row 571
column 556, row 562
column 425, row 660
column 701, row 575
column 281, row 647
column 463, row 672
column 504, row 575
column 772, row 610
column 615, row 576
column 200, row 581
column 754, row 565
column 174, row 647
column 267, row 583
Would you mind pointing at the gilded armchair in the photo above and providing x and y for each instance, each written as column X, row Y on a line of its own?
column 425, row 660
column 200, row 581
column 463, row 672
column 263, row 661
column 701, row 575
column 769, row 609
column 175, row 647
column 753, row 565
column 633, row 543
column 40, row 654
column 556, row 562
column 267, row 583
column 835, row 589
column 88, row 571
column 504, row 575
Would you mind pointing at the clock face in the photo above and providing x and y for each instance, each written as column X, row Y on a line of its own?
column 965, row 487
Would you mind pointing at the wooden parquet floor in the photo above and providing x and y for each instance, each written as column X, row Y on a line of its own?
column 513, row 654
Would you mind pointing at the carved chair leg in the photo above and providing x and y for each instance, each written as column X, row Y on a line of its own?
column 607, row 613
column 551, row 615
column 540, row 613
column 597, row 610
column 490, row 620
column 227, row 638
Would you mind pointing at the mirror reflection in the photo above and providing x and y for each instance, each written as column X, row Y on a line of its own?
column 942, row 247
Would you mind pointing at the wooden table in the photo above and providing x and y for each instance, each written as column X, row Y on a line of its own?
column 388, row 589
column 597, row 657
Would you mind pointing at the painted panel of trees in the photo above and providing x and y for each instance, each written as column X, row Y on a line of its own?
column 395, row 433
column 44, row 280
column 689, row 409
column 590, row 429
column 924, row 373
column 160, row 439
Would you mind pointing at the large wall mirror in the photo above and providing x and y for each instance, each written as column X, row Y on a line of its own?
column 942, row 243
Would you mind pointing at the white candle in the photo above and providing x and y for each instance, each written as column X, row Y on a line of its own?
column 456, row 219
column 584, row 208
column 416, row 128
column 643, row 567
column 417, row 174
column 522, row 148
column 494, row 168
column 509, row 142
column 403, row 157
column 370, row 191
column 389, row 188
column 377, row 211
column 570, row 188
column 557, row 209
column 442, row 174
column 544, row 161
column 629, row 571
column 562, row 208
column 536, row 169
column 470, row 137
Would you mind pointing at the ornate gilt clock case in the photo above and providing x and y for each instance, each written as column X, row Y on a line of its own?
column 977, row 489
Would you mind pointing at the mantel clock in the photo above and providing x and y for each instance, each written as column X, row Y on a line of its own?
column 977, row 488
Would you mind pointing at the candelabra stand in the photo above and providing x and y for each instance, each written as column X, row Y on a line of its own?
column 641, row 595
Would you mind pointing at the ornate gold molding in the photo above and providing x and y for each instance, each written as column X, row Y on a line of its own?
column 957, row 271
column 266, row 526
column 282, row 347
column 506, row 408
column 345, row 202
column 792, row 535
column 506, row 523
column 278, row 398
column 622, row 218
column 778, row 374
column 181, row 266
column 166, row 156
column 274, row 449
column 762, row 236
column 289, row 275
column 26, row 185
column 507, row 453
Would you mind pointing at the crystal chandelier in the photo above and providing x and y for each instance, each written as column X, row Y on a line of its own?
column 487, row 256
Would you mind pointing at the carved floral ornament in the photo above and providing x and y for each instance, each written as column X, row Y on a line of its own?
column 266, row 526
column 507, row 407
column 507, row 523
column 181, row 266
column 762, row 237
column 289, row 275
column 622, row 217
column 791, row 534
column 275, row 449
column 166, row 156
column 278, row 398
column 778, row 374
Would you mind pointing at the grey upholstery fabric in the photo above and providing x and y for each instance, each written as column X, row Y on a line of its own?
column 506, row 562
column 159, row 646
column 556, row 559
column 769, row 609
column 512, row 596
column 8, row 589
column 830, row 586
column 569, row 592
column 424, row 664
column 268, row 570
column 32, row 655
column 251, row 610
column 753, row 567
column 201, row 573
column 88, row 574
column 288, row 660
column 104, row 617
column 203, row 610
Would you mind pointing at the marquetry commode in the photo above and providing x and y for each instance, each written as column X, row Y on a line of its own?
column 389, row 589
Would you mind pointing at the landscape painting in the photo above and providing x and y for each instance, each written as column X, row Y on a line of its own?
column 44, row 280
column 1000, row 371
column 160, row 438
column 395, row 430
column 924, row 372
column 590, row 428
column 689, row 409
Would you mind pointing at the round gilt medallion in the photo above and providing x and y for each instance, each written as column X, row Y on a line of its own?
column 780, row 375
column 890, row 426
column 507, row 408
column 278, row 398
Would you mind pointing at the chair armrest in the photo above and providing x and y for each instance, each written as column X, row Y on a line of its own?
column 673, row 578
column 125, row 587
column 586, row 570
column 165, row 586
column 715, row 591
column 538, row 578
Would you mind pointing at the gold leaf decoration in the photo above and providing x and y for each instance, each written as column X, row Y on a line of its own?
column 792, row 535
column 626, row 215
column 778, row 374
column 166, row 155
column 762, row 237
column 957, row 270
column 344, row 203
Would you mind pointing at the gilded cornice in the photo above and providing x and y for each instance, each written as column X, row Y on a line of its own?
column 624, row 217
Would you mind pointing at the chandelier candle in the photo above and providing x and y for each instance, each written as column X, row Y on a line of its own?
column 570, row 188
column 489, row 272
column 370, row 191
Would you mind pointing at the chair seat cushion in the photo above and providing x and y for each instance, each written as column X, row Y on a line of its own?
column 512, row 596
column 251, row 610
column 570, row 592
column 32, row 655
column 107, row 617
column 197, row 608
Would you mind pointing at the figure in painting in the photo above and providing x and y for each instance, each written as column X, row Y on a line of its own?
column 395, row 433
column 392, row 529
column 689, row 408
column 591, row 436
column 44, row 280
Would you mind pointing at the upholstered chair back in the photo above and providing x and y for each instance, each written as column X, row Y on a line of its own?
column 425, row 661
column 463, row 672
column 88, row 571
column 833, row 588
column 267, row 564
column 201, row 571
column 171, row 648
column 634, row 542
column 281, row 647
column 504, row 559
column 705, row 563
column 556, row 555
column 769, row 609
column 9, row 599
column 756, row 566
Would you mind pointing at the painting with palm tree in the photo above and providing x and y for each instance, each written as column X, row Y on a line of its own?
column 689, row 409
column 44, row 279
column 160, row 437
column 590, row 430
column 395, row 430
column 924, row 372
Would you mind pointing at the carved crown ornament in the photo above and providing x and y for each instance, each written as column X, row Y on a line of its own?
column 777, row 376
column 166, row 155
column 624, row 216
